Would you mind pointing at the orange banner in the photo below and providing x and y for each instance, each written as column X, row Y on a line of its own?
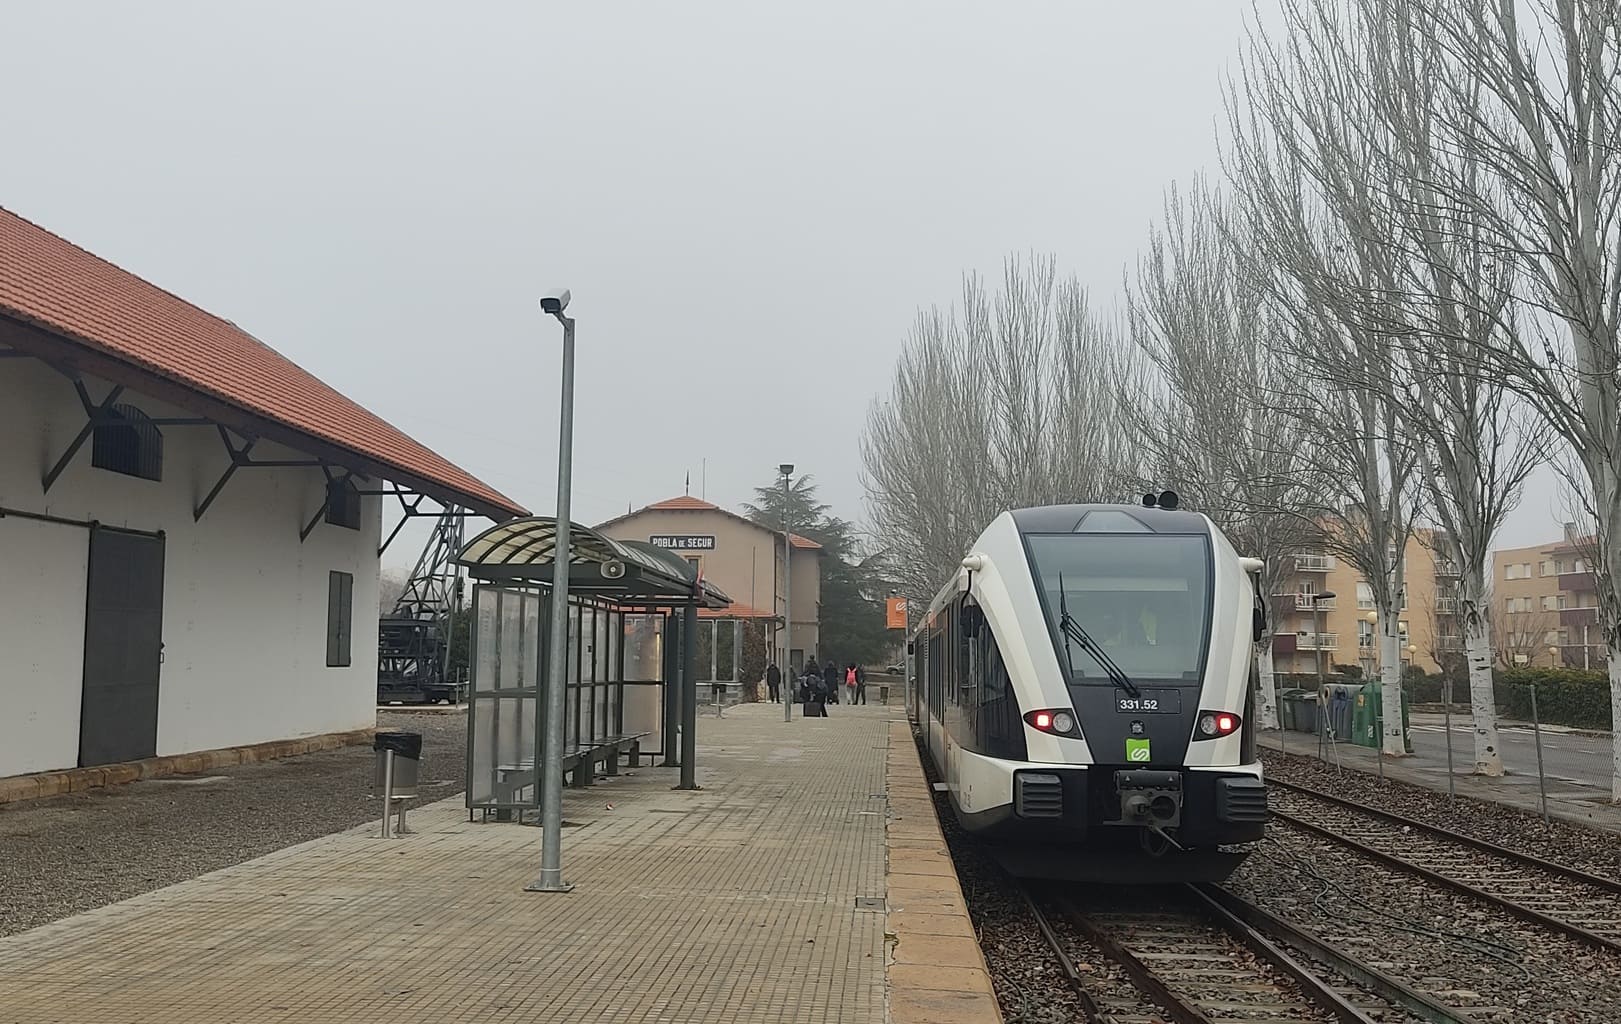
column 896, row 607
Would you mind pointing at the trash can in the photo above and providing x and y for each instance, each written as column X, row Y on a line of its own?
column 407, row 748
column 1339, row 705
column 1286, row 707
column 1366, row 717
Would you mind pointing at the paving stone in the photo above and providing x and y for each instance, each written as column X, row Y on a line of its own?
column 733, row 903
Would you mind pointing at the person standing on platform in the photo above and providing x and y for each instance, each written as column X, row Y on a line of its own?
column 861, row 686
column 810, row 691
column 831, row 677
column 773, row 680
column 850, row 683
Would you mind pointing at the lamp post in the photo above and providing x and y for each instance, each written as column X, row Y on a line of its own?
column 551, row 792
column 787, row 471
column 1317, row 633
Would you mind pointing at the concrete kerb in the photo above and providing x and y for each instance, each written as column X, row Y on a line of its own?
column 17, row 788
column 936, row 971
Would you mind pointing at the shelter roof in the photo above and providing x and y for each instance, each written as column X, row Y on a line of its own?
column 687, row 503
column 626, row 572
column 76, row 310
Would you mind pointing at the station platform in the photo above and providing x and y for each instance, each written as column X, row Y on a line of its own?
column 805, row 882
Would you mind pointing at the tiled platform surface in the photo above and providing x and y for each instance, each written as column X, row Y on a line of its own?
column 734, row 903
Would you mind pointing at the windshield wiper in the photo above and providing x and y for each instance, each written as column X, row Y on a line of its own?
column 1072, row 631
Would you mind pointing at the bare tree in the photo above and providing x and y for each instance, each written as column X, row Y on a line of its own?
column 1453, row 298
column 1304, row 160
column 1531, row 96
column 1211, row 420
column 1010, row 401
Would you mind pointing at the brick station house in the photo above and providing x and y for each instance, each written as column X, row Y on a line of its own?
column 745, row 560
column 190, row 524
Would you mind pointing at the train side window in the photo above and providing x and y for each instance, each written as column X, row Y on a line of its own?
column 993, row 672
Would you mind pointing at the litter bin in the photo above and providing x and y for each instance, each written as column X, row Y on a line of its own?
column 407, row 748
column 1302, row 711
column 1286, row 707
column 1369, row 701
column 1339, row 700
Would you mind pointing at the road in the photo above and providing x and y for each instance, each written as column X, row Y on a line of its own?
column 1570, row 756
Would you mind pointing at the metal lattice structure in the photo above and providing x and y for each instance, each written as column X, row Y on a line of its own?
column 413, row 640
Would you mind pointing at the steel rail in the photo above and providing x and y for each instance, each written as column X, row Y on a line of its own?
column 1520, row 910
column 1397, row 992
column 1484, row 845
column 1077, row 983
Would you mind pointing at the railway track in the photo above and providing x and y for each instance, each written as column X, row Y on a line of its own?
column 1200, row 955
column 1561, row 898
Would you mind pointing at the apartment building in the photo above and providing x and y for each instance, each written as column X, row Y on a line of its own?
column 1343, row 629
column 1545, row 604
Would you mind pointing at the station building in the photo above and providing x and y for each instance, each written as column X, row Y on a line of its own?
column 190, row 524
column 745, row 560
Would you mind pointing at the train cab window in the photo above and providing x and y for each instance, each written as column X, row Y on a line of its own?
column 1145, row 599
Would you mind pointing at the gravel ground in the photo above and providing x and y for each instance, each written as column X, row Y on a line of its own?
column 1592, row 850
column 1493, row 965
column 69, row 854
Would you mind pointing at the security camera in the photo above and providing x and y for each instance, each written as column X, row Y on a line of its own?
column 554, row 301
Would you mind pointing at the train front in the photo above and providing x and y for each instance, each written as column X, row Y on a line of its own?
column 1138, row 733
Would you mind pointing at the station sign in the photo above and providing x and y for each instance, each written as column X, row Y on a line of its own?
column 683, row 542
column 895, row 608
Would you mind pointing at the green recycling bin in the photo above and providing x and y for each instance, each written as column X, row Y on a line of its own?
column 1365, row 718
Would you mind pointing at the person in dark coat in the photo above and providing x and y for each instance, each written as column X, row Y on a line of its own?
column 831, row 678
column 861, row 686
column 773, row 680
column 810, row 691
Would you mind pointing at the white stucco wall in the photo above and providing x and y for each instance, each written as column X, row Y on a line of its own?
column 245, row 603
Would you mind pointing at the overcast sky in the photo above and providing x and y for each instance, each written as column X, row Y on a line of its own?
column 749, row 201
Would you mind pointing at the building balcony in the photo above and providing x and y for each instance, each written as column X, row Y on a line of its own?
column 1449, row 644
column 1447, row 568
column 1579, row 617
column 1316, row 641
column 1578, row 583
column 1446, row 606
column 1314, row 563
column 1304, row 602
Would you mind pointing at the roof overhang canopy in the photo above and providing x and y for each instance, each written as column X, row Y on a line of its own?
column 623, row 572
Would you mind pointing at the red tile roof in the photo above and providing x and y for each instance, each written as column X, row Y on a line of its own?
column 687, row 503
column 78, row 299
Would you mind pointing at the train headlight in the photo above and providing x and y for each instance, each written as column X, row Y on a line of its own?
column 1053, row 721
column 1215, row 724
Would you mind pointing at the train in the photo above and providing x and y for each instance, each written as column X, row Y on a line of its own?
column 1083, row 685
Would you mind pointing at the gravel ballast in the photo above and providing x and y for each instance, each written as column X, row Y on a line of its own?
column 68, row 854
column 1590, row 849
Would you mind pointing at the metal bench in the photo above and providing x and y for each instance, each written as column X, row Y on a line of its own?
column 581, row 761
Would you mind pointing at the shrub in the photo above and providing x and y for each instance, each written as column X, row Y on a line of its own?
column 1565, row 696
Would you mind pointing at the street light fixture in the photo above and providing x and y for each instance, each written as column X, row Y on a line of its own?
column 551, row 781
column 787, row 471
column 1317, row 632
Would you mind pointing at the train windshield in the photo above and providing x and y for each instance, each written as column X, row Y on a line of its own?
column 1144, row 598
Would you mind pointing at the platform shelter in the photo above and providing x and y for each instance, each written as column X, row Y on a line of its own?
column 631, row 674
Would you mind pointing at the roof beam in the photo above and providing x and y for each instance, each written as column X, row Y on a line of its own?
column 84, row 435
column 76, row 355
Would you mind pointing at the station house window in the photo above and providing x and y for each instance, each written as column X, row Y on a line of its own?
column 128, row 442
column 343, row 504
column 340, row 602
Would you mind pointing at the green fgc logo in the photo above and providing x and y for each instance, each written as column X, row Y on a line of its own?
column 1137, row 750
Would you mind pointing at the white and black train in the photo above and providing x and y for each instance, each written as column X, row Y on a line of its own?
column 1083, row 686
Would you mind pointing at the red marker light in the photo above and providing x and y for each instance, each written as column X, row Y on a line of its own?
column 1226, row 724
column 1043, row 720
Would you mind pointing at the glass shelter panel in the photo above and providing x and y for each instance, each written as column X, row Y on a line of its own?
column 503, row 693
